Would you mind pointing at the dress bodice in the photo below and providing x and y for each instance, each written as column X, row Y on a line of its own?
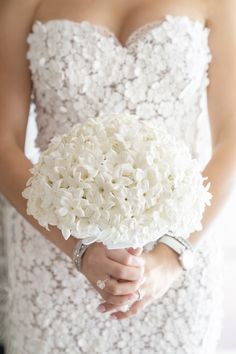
column 80, row 69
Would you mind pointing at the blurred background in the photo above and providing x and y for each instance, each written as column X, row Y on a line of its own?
column 227, row 230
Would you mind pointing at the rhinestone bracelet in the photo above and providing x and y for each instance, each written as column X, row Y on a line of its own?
column 78, row 252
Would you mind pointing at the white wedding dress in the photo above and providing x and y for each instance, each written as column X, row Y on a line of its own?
column 78, row 70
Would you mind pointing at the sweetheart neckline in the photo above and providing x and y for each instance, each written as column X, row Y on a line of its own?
column 143, row 28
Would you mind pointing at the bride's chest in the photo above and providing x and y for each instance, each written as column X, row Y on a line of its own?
column 71, row 58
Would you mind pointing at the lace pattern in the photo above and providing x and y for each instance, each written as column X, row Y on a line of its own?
column 53, row 308
column 162, row 73
column 77, row 71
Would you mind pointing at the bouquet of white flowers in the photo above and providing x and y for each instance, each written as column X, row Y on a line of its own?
column 119, row 180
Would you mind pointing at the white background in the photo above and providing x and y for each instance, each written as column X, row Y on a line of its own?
column 227, row 231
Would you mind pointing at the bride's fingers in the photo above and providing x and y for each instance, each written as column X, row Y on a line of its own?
column 106, row 307
column 109, row 306
column 135, row 251
column 133, row 310
column 115, row 287
column 124, row 257
column 119, row 271
column 119, row 300
column 133, row 305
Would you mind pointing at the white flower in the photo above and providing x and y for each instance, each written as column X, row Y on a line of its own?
column 120, row 179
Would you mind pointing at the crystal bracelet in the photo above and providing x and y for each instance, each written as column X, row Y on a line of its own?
column 78, row 252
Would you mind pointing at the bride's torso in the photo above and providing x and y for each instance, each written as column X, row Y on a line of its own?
column 121, row 17
column 103, row 58
column 141, row 57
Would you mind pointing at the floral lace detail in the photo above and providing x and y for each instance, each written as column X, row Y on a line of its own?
column 78, row 71
column 142, row 30
column 53, row 307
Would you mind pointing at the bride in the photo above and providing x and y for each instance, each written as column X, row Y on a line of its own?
column 172, row 60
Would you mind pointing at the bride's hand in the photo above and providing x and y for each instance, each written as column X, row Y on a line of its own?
column 162, row 268
column 100, row 263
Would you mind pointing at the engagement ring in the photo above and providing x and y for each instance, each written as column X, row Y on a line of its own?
column 101, row 283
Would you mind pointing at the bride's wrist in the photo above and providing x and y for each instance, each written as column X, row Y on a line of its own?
column 70, row 246
column 79, row 251
column 164, row 255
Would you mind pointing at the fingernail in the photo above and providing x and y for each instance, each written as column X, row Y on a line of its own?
column 101, row 308
column 113, row 317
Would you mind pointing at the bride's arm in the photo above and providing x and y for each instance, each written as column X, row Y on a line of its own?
column 15, row 90
column 162, row 265
column 221, row 169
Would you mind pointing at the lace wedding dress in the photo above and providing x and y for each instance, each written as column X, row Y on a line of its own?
column 78, row 70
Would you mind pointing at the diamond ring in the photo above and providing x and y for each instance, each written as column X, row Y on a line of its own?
column 101, row 283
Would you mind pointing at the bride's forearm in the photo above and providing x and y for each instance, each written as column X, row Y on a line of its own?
column 221, row 173
column 14, row 173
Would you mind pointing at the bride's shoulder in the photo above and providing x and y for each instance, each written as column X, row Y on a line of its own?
column 17, row 12
column 14, row 4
